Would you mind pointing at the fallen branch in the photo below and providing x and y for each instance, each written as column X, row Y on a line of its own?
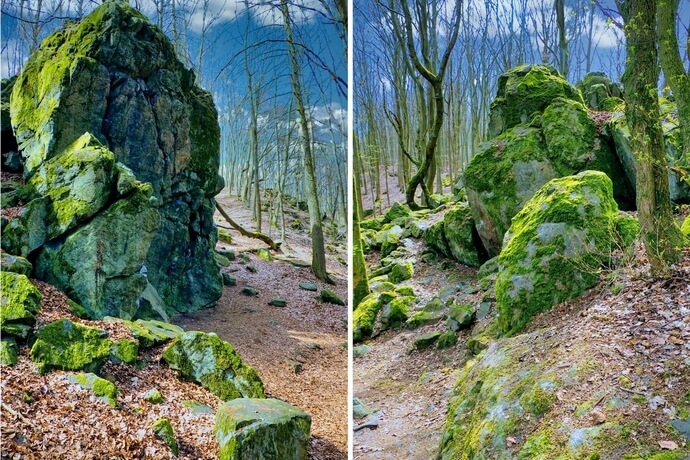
column 259, row 236
column 18, row 415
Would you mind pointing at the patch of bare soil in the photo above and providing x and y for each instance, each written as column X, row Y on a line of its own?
column 298, row 350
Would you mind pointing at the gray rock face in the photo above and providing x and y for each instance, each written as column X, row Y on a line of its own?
column 116, row 76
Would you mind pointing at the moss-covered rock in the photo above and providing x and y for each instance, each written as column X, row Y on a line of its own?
column 618, row 128
column 164, row 431
column 8, row 352
column 99, row 265
column 432, row 312
column 460, row 236
column 329, row 296
column 388, row 239
column 151, row 333
column 20, row 303
column 65, row 190
column 426, row 340
column 153, row 396
column 124, row 351
column 460, row 316
column 88, row 78
column 573, row 145
column 102, row 388
column 596, row 88
column 401, row 271
column 555, row 247
column 446, row 340
column 524, row 91
column 15, row 264
column 213, row 363
column 502, row 176
column 434, row 237
column 65, row 345
column 261, row 428
column 364, row 317
column 396, row 312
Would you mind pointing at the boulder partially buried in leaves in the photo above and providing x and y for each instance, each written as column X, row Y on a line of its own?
column 115, row 75
column 214, row 364
column 555, row 247
column 70, row 346
column 20, row 302
column 262, row 428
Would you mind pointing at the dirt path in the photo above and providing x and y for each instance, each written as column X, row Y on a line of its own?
column 298, row 350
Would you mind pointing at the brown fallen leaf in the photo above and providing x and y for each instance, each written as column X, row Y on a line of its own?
column 598, row 417
column 668, row 445
column 510, row 441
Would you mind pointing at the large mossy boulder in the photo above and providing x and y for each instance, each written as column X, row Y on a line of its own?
column 364, row 317
column 20, row 303
column 502, row 176
column 15, row 264
column 455, row 236
column 524, row 91
column 65, row 345
column 262, row 428
column 115, row 75
column 555, row 247
column 213, row 363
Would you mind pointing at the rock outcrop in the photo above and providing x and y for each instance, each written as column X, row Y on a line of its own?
column 540, row 130
column 127, row 208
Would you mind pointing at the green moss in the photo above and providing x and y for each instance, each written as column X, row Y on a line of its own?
column 154, row 396
column 8, row 352
column 426, row 340
column 213, row 363
column 364, row 317
column 569, row 134
column 20, row 301
column 430, row 314
column 538, row 446
column 539, row 399
column 375, row 223
column 555, row 248
column 164, row 431
column 401, row 271
column 15, row 264
column 396, row 312
column 685, row 228
column 446, row 340
column 329, row 296
column 224, row 235
column 395, row 212
column 405, row 291
column 102, row 388
column 66, row 345
column 124, row 351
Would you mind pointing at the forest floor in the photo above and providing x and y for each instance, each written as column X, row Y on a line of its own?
column 299, row 351
column 634, row 327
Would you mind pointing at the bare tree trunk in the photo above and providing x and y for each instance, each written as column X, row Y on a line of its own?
column 318, row 264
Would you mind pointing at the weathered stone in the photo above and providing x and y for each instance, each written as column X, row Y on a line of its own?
column 277, row 302
column 396, row 312
column 15, row 264
column 100, row 264
column 460, row 316
column 360, row 350
column 401, row 271
column 229, row 280
column 596, row 87
column 433, row 312
column 65, row 345
column 164, row 431
column 359, row 409
column 124, row 351
column 524, row 91
column 364, row 316
column 153, row 396
column 213, row 363
column 460, row 236
column 115, row 75
column 309, row 286
column 446, row 340
column 329, row 296
column 264, row 254
column 426, row 340
column 102, row 388
column 262, row 428
column 250, row 291
column 20, row 303
column 555, row 247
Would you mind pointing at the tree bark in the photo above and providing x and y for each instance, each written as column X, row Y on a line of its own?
column 661, row 236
